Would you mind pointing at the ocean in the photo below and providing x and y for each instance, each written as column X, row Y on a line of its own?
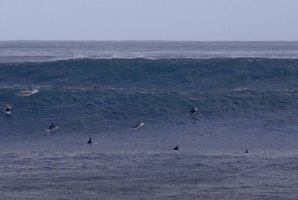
column 247, row 99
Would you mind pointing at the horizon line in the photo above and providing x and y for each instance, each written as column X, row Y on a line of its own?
column 21, row 40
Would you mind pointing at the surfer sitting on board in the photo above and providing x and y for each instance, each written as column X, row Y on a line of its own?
column 89, row 141
column 52, row 126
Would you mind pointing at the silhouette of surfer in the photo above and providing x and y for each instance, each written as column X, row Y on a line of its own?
column 89, row 141
column 138, row 124
column 176, row 147
column 7, row 109
column 52, row 126
column 193, row 111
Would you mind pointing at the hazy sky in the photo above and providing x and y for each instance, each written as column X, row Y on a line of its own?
column 149, row 20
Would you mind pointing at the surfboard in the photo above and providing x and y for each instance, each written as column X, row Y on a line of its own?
column 26, row 93
column 138, row 127
column 193, row 114
column 52, row 130
column 8, row 112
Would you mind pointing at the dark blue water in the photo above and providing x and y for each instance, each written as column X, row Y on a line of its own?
column 246, row 94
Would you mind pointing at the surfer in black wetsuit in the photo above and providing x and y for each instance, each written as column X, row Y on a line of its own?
column 7, row 109
column 193, row 111
column 176, row 147
column 89, row 141
column 138, row 124
column 52, row 126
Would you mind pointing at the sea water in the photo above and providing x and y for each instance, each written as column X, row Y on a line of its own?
column 247, row 99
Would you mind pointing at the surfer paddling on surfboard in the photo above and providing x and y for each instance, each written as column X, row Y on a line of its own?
column 29, row 92
column 193, row 111
column 138, row 126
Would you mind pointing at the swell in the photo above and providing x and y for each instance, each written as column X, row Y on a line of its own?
column 97, row 95
column 215, row 74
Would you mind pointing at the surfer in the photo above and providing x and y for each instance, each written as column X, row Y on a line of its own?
column 193, row 111
column 138, row 124
column 246, row 151
column 28, row 92
column 89, row 141
column 176, row 147
column 52, row 126
column 33, row 90
column 7, row 109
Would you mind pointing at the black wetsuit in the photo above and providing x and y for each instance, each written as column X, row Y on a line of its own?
column 193, row 111
column 138, row 124
column 52, row 126
column 176, row 147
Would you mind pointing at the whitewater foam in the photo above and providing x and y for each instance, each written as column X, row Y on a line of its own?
column 39, row 51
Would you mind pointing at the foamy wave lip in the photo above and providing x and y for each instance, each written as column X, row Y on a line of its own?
column 240, row 89
column 41, row 59
column 23, row 87
column 68, row 58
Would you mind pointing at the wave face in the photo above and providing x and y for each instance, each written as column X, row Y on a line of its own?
column 111, row 94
